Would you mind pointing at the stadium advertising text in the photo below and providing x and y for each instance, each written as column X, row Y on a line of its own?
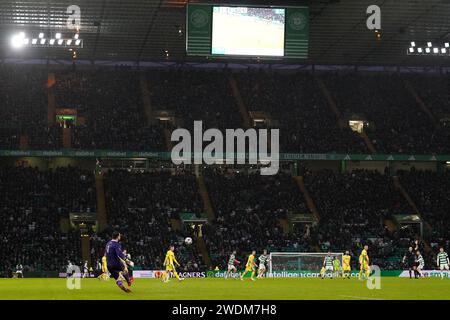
column 159, row 273
column 235, row 147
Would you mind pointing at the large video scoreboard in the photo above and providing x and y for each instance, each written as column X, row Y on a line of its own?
column 247, row 31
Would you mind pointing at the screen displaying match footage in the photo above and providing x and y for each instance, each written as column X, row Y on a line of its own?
column 244, row 31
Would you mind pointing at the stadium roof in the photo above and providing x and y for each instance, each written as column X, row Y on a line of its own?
column 142, row 30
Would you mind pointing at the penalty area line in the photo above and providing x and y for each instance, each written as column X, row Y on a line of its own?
column 360, row 298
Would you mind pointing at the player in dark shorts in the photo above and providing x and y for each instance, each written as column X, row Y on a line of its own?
column 116, row 262
column 409, row 261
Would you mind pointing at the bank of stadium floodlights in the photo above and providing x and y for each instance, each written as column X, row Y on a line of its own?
column 21, row 40
column 442, row 49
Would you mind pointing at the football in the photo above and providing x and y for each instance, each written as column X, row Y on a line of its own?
column 188, row 240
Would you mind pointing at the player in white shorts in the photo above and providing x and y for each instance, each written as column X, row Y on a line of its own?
column 263, row 259
column 231, row 264
column 442, row 261
column 419, row 265
column 327, row 266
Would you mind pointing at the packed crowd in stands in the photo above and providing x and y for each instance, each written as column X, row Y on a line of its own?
column 195, row 95
column 248, row 207
column 431, row 193
column 306, row 122
column 141, row 206
column 23, row 112
column 353, row 206
column 111, row 105
column 33, row 203
column 110, row 101
column 397, row 123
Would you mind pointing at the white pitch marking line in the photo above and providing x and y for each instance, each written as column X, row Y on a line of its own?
column 360, row 298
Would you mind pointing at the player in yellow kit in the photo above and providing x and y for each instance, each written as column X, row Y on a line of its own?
column 346, row 268
column 250, row 266
column 364, row 263
column 170, row 262
column 104, row 275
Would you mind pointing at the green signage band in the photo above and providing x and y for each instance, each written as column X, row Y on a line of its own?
column 164, row 155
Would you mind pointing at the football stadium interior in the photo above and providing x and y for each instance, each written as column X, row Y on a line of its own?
column 91, row 93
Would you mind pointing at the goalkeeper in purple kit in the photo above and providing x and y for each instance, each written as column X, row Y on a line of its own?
column 116, row 262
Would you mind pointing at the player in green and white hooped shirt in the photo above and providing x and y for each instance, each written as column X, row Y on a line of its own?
column 442, row 261
column 419, row 265
column 327, row 265
column 263, row 259
column 231, row 264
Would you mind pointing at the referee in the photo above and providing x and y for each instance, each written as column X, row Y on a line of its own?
column 408, row 261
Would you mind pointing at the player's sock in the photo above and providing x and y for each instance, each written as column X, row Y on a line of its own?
column 121, row 286
column 126, row 275
column 253, row 274
column 177, row 276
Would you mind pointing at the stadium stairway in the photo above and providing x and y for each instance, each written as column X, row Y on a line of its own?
column 201, row 247
column 146, row 101
column 309, row 201
column 285, row 225
column 86, row 249
column 410, row 201
column 240, row 102
column 167, row 139
column 67, row 138
column 51, row 105
column 390, row 224
column 207, row 204
column 405, row 194
column 101, row 201
column 23, row 141
column 341, row 123
column 175, row 224
column 419, row 101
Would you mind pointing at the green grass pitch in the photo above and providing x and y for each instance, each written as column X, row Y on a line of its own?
column 214, row 288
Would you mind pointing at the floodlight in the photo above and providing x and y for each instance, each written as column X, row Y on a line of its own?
column 17, row 40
